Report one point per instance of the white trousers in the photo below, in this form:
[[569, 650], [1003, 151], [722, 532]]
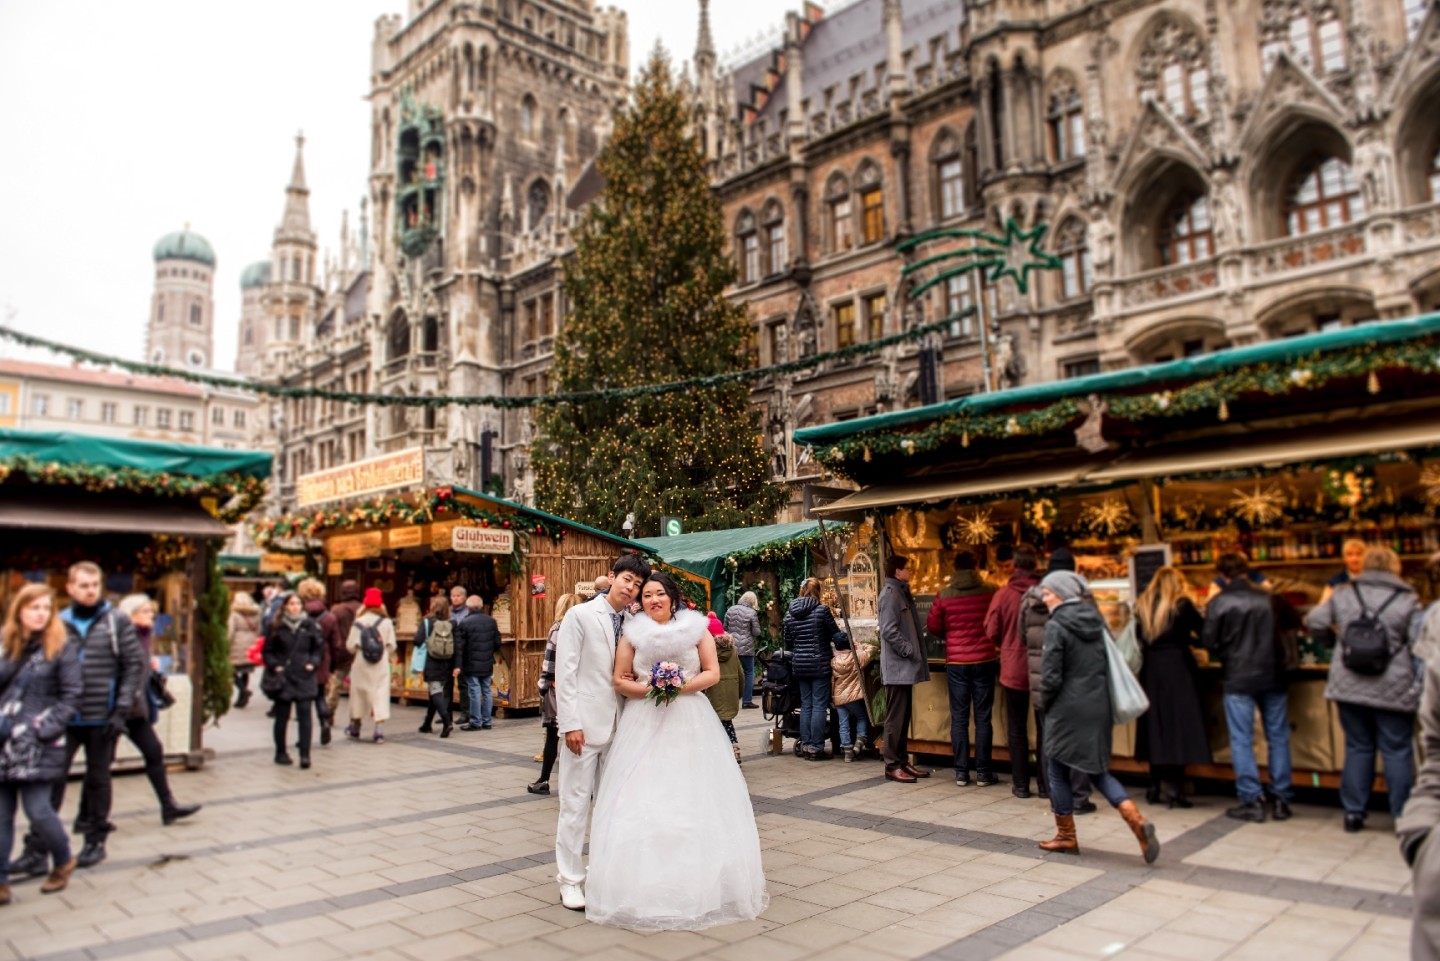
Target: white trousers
[[579, 777]]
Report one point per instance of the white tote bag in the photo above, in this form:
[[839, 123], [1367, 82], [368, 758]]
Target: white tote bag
[[1127, 697]]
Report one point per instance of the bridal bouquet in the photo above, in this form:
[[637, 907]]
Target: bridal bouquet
[[666, 681]]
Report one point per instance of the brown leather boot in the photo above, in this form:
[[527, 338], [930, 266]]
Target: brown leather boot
[[1143, 830], [1064, 840], [59, 878]]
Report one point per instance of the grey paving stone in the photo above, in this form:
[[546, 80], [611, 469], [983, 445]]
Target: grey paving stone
[[214, 929]]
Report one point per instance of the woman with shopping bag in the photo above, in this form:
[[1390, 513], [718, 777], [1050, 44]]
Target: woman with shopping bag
[[1076, 696]]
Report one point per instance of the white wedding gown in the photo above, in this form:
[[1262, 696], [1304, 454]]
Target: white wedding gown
[[673, 844]]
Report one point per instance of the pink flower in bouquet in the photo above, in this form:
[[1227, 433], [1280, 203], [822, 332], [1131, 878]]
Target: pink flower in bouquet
[[666, 682]]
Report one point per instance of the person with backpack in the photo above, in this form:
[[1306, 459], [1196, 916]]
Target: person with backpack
[[294, 650], [438, 635], [1375, 680], [372, 641], [1240, 629], [809, 630]]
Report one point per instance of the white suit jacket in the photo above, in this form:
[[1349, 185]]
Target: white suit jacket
[[585, 698]]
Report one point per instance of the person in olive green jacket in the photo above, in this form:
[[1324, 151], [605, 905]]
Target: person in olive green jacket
[[725, 695]]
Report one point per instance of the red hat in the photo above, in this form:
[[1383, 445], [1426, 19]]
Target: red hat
[[373, 597], [716, 628]]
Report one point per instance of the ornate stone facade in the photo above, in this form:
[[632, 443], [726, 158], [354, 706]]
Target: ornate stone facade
[[1211, 175]]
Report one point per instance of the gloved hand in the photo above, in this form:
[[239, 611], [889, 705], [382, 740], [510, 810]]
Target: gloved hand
[[115, 724]]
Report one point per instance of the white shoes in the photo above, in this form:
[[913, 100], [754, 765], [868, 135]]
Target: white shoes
[[572, 896]]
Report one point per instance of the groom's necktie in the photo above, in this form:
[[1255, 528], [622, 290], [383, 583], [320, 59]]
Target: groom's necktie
[[618, 619]]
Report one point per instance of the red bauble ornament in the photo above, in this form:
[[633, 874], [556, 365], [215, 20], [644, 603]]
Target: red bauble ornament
[[505, 524]]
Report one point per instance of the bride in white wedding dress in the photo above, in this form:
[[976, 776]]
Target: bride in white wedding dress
[[673, 844]]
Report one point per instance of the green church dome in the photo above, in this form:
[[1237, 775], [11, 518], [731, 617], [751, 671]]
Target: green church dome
[[256, 275], [184, 245]]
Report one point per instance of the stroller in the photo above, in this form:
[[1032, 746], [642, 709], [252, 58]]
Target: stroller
[[780, 700]]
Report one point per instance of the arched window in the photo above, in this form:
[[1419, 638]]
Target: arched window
[[840, 221], [1186, 233], [430, 338], [429, 418], [398, 419], [398, 337], [774, 227], [196, 316], [949, 173], [1435, 175], [538, 202], [1076, 276], [1172, 70], [1310, 32], [1323, 194], [872, 205], [747, 245], [1066, 119], [527, 117]]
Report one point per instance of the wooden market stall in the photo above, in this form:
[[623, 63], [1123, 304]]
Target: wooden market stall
[[415, 546], [152, 515], [1282, 450]]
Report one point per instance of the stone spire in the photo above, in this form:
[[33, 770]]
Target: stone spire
[[893, 20], [704, 42], [296, 223]]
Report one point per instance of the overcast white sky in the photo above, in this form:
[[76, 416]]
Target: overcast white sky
[[124, 121]]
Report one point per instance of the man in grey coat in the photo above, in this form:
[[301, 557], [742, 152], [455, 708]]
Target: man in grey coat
[[902, 666]]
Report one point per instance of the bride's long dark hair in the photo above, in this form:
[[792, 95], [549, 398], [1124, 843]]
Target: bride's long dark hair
[[672, 590]]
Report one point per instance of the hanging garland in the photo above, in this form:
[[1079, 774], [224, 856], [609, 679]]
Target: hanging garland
[[781, 549], [236, 494], [748, 375], [1212, 394]]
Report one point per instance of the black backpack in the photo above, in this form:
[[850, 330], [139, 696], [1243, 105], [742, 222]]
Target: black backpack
[[372, 648], [1364, 643]]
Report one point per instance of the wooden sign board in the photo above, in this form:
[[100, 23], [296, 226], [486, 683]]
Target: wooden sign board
[[355, 547], [405, 537], [440, 534], [282, 564], [387, 472], [1147, 559], [482, 540]]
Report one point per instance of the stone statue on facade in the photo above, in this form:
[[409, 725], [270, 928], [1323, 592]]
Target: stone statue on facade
[[1225, 208]]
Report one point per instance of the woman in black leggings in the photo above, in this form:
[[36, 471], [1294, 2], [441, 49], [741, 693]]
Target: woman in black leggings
[[548, 718], [140, 727]]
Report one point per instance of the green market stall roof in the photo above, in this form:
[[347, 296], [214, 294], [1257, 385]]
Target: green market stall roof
[[1311, 370], [535, 512], [62, 447], [706, 553]]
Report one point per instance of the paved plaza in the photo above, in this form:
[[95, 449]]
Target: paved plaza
[[431, 849]]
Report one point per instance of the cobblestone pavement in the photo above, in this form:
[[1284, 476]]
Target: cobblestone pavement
[[431, 849]]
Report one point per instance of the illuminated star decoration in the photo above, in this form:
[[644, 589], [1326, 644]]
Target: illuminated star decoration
[[1261, 507], [1015, 255], [1110, 516], [977, 528]]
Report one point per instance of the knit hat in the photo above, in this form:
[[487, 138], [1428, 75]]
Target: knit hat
[[373, 597], [842, 641], [1066, 585], [716, 628], [1062, 560]]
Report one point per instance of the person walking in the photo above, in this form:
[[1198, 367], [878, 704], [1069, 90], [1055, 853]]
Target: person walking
[[312, 595], [849, 695], [972, 663], [372, 644], [345, 610], [1003, 629], [810, 630], [1172, 733], [1376, 701], [549, 719], [438, 635], [477, 647], [1240, 630], [244, 632], [294, 649], [40, 691], [724, 695], [903, 664], [140, 725], [742, 622], [1075, 695]]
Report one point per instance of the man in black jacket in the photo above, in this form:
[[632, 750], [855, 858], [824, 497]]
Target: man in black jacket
[[477, 646], [112, 665], [1240, 630]]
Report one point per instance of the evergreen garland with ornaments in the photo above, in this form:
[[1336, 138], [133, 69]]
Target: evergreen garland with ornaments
[[647, 286]]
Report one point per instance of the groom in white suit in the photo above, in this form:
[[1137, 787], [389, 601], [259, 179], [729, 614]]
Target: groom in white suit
[[587, 708]]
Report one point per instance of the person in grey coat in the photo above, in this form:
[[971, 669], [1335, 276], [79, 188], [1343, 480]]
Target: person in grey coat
[[742, 622], [1422, 814], [1376, 712], [1075, 695], [902, 666], [1034, 615]]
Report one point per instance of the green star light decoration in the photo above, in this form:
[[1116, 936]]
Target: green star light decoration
[[1014, 255]]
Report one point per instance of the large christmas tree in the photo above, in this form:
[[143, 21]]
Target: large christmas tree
[[646, 286]]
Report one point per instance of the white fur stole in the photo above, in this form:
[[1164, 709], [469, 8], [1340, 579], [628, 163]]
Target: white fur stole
[[668, 641]]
